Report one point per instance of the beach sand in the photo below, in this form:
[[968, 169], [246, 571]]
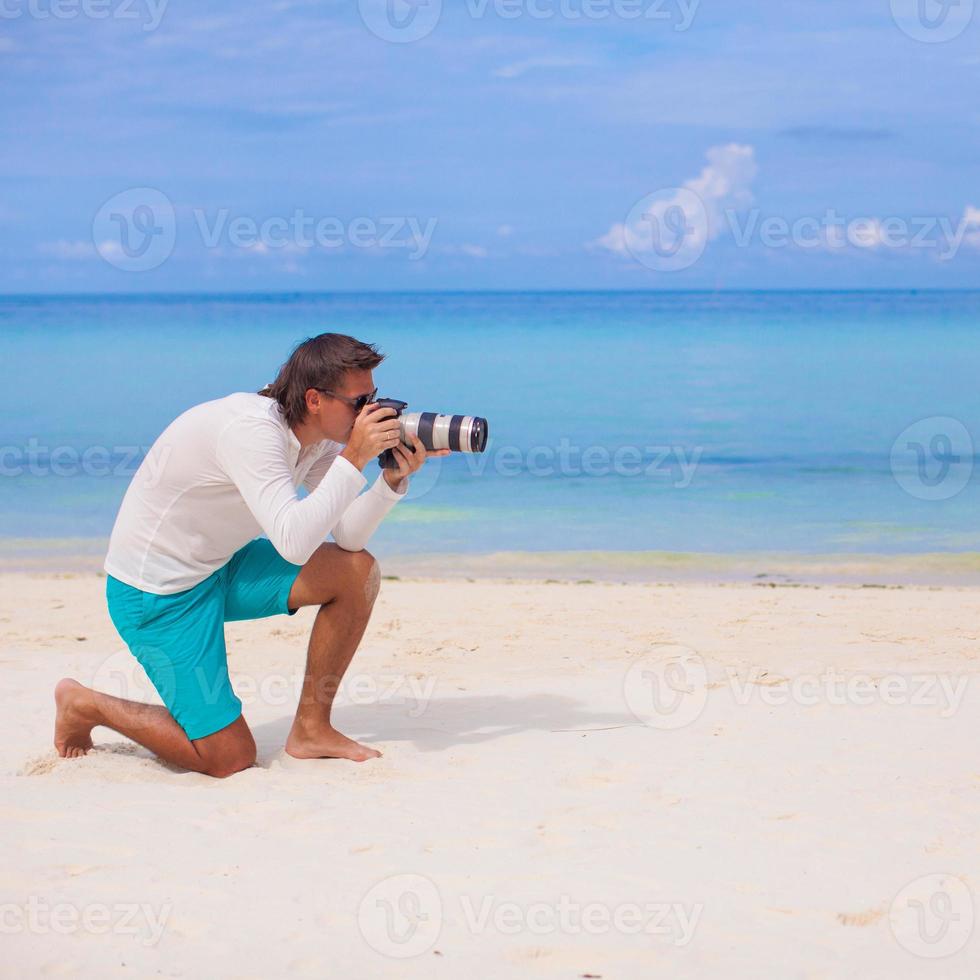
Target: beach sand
[[596, 779]]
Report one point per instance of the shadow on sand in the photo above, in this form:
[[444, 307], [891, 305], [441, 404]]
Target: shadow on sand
[[442, 723]]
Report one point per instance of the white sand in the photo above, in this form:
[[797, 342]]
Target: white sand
[[518, 790]]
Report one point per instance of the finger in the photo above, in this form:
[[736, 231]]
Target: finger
[[407, 457], [378, 412], [403, 467]]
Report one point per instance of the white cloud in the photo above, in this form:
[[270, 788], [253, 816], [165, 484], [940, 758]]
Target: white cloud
[[700, 202], [471, 251], [505, 231], [941, 235], [518, 68], [63, 249], [970, 224], [861, 233]]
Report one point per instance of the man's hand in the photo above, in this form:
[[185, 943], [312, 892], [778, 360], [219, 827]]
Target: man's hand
[[375, 430], [409, 460]]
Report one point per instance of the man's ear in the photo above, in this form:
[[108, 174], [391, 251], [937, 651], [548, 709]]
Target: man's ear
[[312, 400]]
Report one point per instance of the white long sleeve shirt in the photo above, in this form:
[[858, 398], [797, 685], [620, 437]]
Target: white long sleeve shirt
[[225, 472]]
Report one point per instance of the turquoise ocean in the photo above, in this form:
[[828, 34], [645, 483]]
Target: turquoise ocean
[[800, 422]]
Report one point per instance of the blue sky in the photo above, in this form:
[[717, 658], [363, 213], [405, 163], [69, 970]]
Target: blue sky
[[518, 144]]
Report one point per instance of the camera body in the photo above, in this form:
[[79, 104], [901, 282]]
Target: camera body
[[387, 459], [460, 433]]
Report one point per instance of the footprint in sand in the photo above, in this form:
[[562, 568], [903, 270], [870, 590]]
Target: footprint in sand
[[115, 762]]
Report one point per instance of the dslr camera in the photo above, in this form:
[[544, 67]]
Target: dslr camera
[[460, 433]]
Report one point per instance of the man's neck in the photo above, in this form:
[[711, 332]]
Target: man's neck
[[307, 434]]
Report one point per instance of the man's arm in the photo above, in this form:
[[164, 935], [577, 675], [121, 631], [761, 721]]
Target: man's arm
[[361, 518], [252, 453]]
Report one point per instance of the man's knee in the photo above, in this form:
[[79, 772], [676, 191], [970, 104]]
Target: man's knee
[[372, 578], [228, 751], [333, 573], [229, 762], [362, 574]]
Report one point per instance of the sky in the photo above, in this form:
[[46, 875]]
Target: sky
[[194, 146]]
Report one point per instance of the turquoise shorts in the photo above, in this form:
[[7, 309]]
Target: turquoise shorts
[[179, 639]]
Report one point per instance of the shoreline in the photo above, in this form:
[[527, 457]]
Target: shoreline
[[81, 555]]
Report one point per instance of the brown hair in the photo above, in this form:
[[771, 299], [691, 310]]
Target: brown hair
[[318, 362]]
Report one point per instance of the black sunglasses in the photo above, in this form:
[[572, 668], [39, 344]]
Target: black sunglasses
[[356, 403]]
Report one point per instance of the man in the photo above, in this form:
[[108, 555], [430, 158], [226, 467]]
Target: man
[[185, 557]]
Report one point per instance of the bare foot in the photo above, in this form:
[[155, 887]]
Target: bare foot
[[73, 724], [327, 743]]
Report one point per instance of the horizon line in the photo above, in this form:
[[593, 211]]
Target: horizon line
[[196, 294]]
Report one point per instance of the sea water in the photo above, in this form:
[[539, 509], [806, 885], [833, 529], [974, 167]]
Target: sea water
[[723, 422]]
